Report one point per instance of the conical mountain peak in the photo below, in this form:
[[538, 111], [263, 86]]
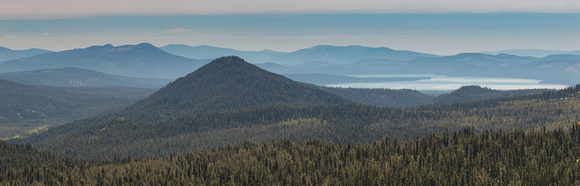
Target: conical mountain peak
[[230, 83], [228, 66]]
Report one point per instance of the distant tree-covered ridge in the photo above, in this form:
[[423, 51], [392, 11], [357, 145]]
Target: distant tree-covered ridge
[[383, 97], [411, 98], [463, 157], [475, 93], [9, 54], [77, 77], [31, 108]]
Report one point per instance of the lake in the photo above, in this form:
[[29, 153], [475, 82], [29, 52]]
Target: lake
[[443, 82]]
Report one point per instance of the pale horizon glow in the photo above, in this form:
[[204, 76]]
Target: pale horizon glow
[[42, 9], [442, 34], [442, 27]]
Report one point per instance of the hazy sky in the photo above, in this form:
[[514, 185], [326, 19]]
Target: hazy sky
[[431, 26]]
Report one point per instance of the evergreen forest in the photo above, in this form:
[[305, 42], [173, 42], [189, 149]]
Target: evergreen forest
[[464, 157], [26, 109]]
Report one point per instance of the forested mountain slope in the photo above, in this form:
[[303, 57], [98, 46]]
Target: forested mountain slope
[[100, 137], [227, 83], [26, 107], [77, 77], [476, 93], [383, 97], [464, 157]]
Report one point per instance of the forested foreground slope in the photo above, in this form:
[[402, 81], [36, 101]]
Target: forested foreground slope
[[100, 137], [497, 157]]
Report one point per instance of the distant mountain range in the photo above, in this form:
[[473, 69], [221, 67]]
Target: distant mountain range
[[143, 61], [446, 64], [346, 55], [9, 54], [559, 68], [324, 53], [210, 52], [77, 77], [532, 52], [321, 65]]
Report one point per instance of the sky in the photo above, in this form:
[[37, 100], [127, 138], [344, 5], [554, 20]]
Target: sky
[[443, 27]]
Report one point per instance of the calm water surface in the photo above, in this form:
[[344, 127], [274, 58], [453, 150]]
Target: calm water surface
[[442, 82]]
